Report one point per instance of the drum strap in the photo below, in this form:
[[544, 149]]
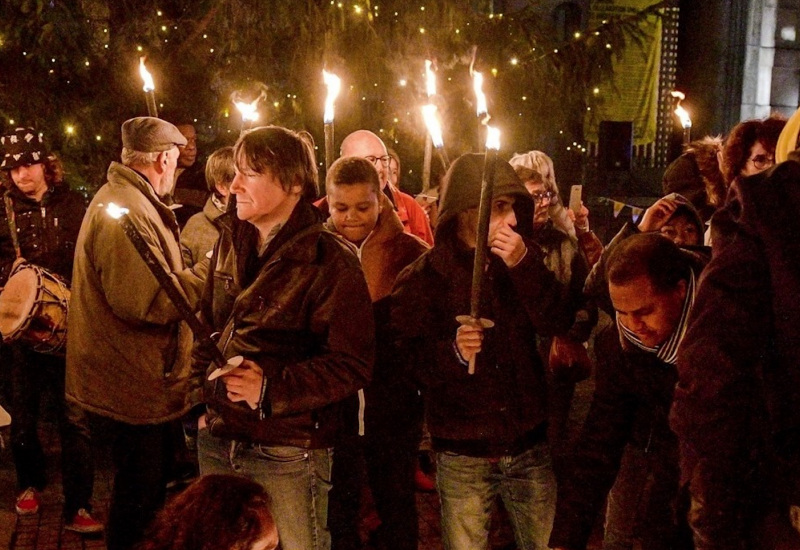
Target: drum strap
[[12, 222]]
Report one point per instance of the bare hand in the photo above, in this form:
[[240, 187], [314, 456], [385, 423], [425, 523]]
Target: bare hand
[[469, 340], [202, 422], [580, 219], [508, 245], [244, 383], [657, 215]]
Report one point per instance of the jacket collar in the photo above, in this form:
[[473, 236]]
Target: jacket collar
[[245, 236], [211, 211], [118, 172], [386, 228]]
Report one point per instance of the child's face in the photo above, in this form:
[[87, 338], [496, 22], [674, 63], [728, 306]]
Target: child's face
[[354, 210], [680, 230]]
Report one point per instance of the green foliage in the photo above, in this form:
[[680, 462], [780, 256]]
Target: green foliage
[[200, 51]]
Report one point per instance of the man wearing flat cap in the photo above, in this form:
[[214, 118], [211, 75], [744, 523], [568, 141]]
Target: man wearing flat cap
[[45, 216], [127, 347]]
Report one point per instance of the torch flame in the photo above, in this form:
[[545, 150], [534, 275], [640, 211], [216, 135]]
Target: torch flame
[[492, 138], [433, 125], [147, 78], [115, 211], [334, 85], [430, 78], [477, 84], [686, 122], [683, 115], [249, 111]]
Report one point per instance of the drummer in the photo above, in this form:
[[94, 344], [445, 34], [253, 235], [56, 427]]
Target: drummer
[[46, 218]]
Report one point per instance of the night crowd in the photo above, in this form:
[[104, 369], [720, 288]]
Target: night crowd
[[337, 366]]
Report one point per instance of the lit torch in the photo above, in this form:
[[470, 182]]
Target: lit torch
[[248, 109], [482, 237], [435, 132], [334, 84], [201, 332], [430, 88], [149, 88], [683, 116], [481, 107], [480, 97]]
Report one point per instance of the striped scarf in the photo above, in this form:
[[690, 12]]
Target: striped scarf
[[668, 351]]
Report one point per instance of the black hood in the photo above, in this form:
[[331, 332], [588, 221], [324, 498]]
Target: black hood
[[461, 191]]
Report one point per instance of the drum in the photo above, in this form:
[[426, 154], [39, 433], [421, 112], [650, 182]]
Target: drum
[[33, 309]]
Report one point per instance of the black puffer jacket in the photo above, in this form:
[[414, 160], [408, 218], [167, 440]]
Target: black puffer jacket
[[47, 230], [303, 313]]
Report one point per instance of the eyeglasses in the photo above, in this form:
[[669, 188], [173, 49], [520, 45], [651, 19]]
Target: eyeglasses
[[762, 162], [375, 160], [549, 195]]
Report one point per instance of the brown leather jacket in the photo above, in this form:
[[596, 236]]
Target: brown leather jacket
[[303, 313]]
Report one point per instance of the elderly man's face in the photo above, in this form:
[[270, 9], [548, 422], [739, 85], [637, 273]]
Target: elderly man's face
[[168, 175], [369, 147], [188, 151]]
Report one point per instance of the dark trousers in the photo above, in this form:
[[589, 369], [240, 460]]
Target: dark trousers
[[34, 376], [139, 481], [387, 454]]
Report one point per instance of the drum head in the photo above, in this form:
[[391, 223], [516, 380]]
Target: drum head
[[17, 299]]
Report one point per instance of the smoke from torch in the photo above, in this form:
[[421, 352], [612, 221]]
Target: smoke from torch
[[430, 79]]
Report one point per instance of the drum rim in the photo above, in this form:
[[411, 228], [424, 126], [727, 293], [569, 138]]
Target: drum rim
[[22, 273]]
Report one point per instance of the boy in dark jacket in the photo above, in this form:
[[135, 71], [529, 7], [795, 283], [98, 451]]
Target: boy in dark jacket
[[488, 428], [384, 422]]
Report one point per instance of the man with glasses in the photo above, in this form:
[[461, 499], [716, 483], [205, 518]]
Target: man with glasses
[[365, 144]]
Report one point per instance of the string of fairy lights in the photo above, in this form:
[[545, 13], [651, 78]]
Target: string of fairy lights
[[517, 61]]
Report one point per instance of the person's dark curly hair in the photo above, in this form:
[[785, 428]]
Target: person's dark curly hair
[[216, 512], [742, 138], [53, 172]]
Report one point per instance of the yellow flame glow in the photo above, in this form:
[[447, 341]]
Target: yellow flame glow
[[115, 211], [334, 85], [430, 78], [683, 115], [147, 78], [477, 85], [433, 124], [492, 138], [249, 111]]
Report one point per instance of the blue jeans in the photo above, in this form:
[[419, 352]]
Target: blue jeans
[[297, 481], [467, 487]]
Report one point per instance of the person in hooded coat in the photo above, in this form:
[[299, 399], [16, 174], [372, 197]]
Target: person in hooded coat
[[488, 428]]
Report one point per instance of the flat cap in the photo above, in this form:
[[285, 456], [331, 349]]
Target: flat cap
[[148, 134]]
